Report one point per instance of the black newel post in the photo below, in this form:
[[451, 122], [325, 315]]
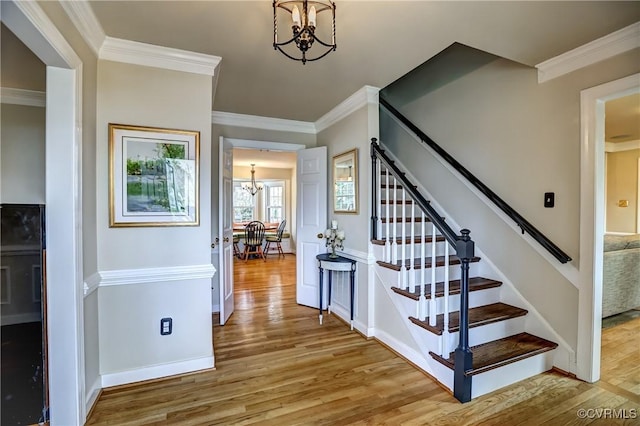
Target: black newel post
[[463, 357], [374, 190]]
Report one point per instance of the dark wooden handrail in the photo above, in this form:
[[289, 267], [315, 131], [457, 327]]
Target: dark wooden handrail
[[524, 225]]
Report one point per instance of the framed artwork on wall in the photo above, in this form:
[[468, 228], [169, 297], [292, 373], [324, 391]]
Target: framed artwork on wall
[[153, 176], [345, 182]]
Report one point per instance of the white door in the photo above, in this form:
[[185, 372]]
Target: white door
[[311, 220], [225, 225]]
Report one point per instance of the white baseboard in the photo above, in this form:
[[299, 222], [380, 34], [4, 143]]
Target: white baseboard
[[92, 394], [215, 308], [156, 371]]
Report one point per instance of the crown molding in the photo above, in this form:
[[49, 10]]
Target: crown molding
[[85, 21], [366, 95], [9, 95], [618, 42], [46, 42], [263, 123], [621, 146], [133, 52]]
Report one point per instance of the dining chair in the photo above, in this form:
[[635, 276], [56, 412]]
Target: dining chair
[[253, 238], [276, 239]]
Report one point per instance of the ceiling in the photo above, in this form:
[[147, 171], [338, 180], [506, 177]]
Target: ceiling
[[264, 158], [378, 42], [622, 119]]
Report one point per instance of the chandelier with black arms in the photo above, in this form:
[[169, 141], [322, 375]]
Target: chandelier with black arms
[[302, 16], [252, 186]]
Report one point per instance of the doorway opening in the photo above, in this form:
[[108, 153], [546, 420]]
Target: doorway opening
[[592, 221]]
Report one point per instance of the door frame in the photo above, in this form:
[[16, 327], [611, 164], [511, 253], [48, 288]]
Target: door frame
[[257, 144], [592, 201], [63, 200]]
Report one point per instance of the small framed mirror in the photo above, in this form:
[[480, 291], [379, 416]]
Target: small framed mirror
[[345, 182]]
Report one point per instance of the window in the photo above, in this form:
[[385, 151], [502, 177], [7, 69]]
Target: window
[[268, 205], [274, 202], [244, 208]]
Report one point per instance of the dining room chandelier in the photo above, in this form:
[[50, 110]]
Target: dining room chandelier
[[302, 17], [252, 186]]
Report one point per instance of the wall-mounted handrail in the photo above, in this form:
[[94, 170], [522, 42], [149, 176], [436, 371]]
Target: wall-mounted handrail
[[524, 225]]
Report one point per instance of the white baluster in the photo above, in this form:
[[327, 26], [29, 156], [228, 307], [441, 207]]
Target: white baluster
[[393, 222], [432, 303], [412, 278], [387, 252], [403, 236], [422, 305], [445, 331]]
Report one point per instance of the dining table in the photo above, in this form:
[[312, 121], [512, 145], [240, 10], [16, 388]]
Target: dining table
[[268, 226]]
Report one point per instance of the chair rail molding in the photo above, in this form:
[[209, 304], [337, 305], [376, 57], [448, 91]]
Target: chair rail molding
[[150, 275], [10, 95]]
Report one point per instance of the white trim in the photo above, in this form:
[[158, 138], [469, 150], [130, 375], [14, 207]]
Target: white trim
[[133, 52], [91, 284], [215, 308], [357, 255], [262, 123], [621, 146], [366, 95], [92, 394], [153, 275], [85, 21], [618, 42], [271, 146], [48, 43], [592, 220], [156, 371], [35, 98]]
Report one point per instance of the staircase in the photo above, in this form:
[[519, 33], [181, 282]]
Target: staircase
[[472, 341]]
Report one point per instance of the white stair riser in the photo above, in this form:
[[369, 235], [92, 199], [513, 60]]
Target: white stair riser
[[476, 298], [396, 279], [488, 333], [511, 373]]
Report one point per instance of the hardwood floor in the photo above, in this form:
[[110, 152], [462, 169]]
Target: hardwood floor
[[276, 365]]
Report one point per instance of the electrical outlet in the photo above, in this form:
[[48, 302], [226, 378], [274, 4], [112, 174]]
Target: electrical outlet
[[166, 326]]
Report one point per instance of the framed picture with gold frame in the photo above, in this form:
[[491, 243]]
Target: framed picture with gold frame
[[345, 182], [153, 176]]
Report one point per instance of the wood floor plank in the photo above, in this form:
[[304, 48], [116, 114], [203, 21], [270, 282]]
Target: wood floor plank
[[275, 365]]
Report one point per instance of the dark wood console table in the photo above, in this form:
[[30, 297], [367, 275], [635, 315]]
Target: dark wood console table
[[339, 263]]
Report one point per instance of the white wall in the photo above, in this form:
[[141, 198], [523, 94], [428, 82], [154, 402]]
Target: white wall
[[622, 184], [131, 347], [22, 145], [354, 131]]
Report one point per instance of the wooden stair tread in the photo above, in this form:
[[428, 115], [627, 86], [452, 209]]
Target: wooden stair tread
[[475, 284], [416, 264], [498, 353], [481, 315], [407, 240]]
